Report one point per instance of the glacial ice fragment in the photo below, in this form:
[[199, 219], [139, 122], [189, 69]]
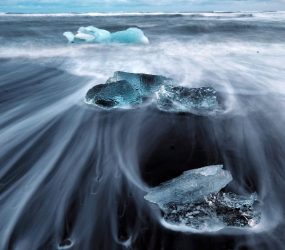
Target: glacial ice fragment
[[190, 186], [182, 99], [130, 35], [145, 84], [92, 34], [112, 95], [194, 200], [126, 89], [100, 35], [69, 36]]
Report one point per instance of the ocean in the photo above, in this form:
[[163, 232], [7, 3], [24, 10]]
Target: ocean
[[74, 176]]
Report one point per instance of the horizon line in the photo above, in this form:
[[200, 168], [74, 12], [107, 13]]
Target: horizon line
[[138, 13]]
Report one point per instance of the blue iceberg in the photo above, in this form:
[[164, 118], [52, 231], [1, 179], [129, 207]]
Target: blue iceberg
[[92, 34], [195, 200]]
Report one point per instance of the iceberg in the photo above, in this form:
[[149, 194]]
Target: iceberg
[[182, 99], [126, 89], [92, 34], [195, 200]]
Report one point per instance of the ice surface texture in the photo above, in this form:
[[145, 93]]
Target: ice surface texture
[[92, 34], [190, 186], [126, 89], [180, 99], [145, 84], [194, 200], [114, 94]]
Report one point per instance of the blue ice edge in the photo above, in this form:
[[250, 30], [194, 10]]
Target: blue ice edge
[[193, 202], [92, 34]]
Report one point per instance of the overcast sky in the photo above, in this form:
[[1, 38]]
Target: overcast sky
[[43, 6]]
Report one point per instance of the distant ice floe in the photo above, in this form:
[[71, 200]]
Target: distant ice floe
[[194, 202], [92, 34]]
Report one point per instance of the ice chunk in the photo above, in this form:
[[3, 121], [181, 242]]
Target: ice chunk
[[99, 35], [181, 99], [144, 87], [112, 95], [69, 35], [88, 34], [125, 89], [79, 37], [84, 37], [190, 186], [131, 35], [194, 200], [92, 34], [215, 212], [145, 84]]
